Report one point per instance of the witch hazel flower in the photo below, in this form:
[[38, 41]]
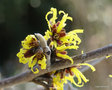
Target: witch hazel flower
[[32, 53], [59, 41]]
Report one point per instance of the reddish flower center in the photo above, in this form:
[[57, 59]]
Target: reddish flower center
[[56, 36]]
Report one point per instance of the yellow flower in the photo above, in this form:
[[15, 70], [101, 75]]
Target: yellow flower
[[59, 39], [59, 80], [57, 33], [32, 53], [59, 42]]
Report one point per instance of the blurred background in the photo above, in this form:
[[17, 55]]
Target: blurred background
[[18, 18]]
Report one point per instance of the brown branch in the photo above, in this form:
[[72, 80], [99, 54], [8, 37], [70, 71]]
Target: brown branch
[[28, 75], [44, 80], [41, 83]]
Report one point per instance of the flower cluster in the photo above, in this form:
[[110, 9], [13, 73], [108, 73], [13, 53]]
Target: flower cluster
[[59, 42], [32, 53], [60, 77]]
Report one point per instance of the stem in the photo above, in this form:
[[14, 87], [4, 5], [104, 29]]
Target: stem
[[41, 83], [29, 76]]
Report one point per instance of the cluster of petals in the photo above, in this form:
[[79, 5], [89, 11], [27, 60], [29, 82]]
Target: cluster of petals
[[32, 53], [61, 41]]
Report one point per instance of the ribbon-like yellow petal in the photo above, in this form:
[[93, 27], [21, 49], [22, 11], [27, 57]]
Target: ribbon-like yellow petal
[[63, 20], [42, 63], [54, 17], [89, 65], [65, 57]]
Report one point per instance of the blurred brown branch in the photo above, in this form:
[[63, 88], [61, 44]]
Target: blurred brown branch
[[29, 76]]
